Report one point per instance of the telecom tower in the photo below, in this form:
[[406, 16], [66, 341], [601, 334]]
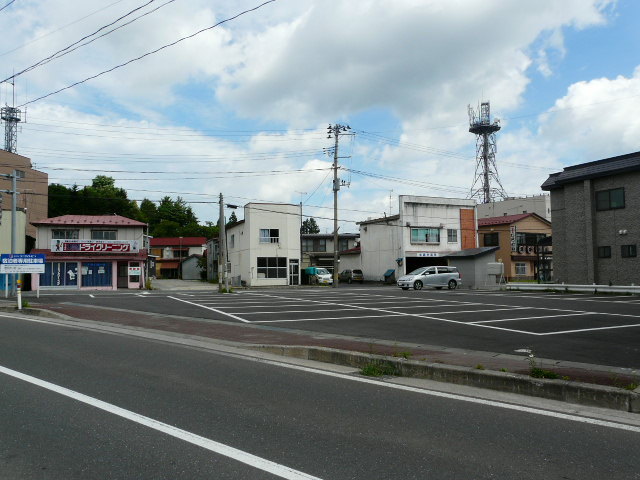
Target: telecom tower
[[11, 116], [486, 170]]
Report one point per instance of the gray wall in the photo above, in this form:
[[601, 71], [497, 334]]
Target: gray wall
[[474, 270], [578, 229], [190, 270]]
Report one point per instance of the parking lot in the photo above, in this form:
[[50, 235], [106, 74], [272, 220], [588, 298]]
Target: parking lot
[[593, 329]]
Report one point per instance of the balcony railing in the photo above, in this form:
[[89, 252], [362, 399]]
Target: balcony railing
[[269, 239]]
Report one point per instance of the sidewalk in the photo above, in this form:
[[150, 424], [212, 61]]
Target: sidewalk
[[486, 369]]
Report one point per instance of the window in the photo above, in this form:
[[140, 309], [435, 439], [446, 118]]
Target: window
[[604, 252], [529, 239], [314, 245], [343, 244], [269, 235], [452, 235], [232, 241], [103, 235], [491, 239], [521, 268], [425, 235], [628, 251], [272, 267], [610, 199], [65, 234]]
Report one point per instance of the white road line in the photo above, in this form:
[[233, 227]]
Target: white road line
[[212, 309], [592, 329], [254, 461], [328, 318], [533, 318], [297, 311], [91, 296]]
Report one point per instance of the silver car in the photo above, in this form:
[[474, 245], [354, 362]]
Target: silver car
[[436, 277]]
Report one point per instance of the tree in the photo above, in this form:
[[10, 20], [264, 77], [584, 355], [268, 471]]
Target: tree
[[232, 219], [310, 226]]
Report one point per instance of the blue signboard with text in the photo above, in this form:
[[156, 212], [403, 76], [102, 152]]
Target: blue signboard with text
[[22, 263]]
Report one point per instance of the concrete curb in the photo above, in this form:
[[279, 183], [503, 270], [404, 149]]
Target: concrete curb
[[562, 390]]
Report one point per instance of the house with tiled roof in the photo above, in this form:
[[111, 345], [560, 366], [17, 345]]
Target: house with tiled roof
[[596, 225], [170, 252], [91, 252], [518, 238]]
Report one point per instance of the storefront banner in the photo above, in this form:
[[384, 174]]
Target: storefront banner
[[95, 246]]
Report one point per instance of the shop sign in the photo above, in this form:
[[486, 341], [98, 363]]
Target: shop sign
[[95, 246], [135, 271], [427, 254], [22, 263], [514, 238]]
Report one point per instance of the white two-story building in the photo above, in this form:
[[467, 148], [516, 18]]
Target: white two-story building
[[425, 230], [264, 248]]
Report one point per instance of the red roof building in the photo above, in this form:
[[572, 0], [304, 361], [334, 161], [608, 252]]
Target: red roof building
[[170, 252]]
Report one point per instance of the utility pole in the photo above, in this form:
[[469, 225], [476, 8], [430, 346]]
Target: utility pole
[[336, 130], [222, 254]]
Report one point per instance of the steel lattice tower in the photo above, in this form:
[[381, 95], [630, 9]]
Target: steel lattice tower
[[486, 170], [11, 117]]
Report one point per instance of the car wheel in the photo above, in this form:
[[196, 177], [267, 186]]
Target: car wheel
[[452, 284], [417, 285], [405, 288]]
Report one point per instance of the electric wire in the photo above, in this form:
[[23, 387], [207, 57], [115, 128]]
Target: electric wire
[[1, 9]]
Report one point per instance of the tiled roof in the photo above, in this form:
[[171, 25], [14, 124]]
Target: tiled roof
[[177, 241], [505, 219], [91, 220], [600, 168]]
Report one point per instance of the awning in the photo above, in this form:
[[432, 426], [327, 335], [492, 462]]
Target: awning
[[163, 265]]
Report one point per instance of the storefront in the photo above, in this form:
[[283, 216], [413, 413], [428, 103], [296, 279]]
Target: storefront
[[91, 253]]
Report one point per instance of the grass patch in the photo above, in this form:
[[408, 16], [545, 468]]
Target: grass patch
[[480, 367], [406, 355], [379, 369], [537, 372]]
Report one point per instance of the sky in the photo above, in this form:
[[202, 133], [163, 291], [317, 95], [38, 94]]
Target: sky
[[242, 107]]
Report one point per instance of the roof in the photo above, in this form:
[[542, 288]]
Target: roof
[[600, 168], [329, 235], [351, 251], [508, 219], [178, 241], [472, 252], [379, 220], [91, 220]]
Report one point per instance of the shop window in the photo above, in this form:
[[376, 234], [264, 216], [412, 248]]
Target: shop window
[[610, 199], [272, 267], [628, 251], [452, 235], [604, 252], [59, 274]]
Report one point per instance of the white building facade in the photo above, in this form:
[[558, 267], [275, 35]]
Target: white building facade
[[425, 230], [264, 248], [538, 204]]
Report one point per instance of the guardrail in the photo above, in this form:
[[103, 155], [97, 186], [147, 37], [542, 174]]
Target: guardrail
[[566, 287]]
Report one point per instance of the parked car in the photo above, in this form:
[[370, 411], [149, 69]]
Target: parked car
[[436, 277], [319, 275], [351, 276]]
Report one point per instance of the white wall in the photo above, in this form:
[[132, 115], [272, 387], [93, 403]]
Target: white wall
[[380, 246], [539, 204], [5, 232], [123, 233]]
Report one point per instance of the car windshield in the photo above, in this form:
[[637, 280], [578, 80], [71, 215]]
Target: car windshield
[[322, 271], [359, 272]]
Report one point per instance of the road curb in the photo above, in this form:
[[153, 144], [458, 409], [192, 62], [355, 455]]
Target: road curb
[[562, 390]]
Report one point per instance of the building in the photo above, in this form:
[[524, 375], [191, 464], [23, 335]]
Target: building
[[539, 204], [264, 248], [318, 249], [517, 237], [169, 252], [596, 221], [424, 231], [190, 268], [91, 252], [33, 188]]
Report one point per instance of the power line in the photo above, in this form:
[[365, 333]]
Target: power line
[[7, 5], [147, 54], [78, 44]]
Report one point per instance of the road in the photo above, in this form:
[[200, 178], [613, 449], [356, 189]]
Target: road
[[77, 404]]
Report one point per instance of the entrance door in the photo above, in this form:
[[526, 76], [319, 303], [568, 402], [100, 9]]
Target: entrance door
[[294, 271]]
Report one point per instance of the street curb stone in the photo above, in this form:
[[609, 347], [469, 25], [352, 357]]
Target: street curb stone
[[563, 390]]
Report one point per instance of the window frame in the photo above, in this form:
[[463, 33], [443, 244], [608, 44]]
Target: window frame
[[604, 251], [102, 231], [492, 235], [603, 199], [628, 251], [75, 233], [522, 265], [427, 232], [273, 235], [452, 235], [272, 267]]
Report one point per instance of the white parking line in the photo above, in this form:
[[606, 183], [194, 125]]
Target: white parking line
[[533, 318], [254, 461], [591, 329], [209, 308], [329, 318], [297, 311]]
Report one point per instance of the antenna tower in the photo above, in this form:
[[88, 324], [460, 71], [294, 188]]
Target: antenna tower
[[11, 116], [486, 171]]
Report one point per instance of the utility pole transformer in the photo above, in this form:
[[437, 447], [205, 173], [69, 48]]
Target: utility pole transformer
[[334, 131], [486, 170]]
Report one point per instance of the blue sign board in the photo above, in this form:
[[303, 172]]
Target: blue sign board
[[22, 263]]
